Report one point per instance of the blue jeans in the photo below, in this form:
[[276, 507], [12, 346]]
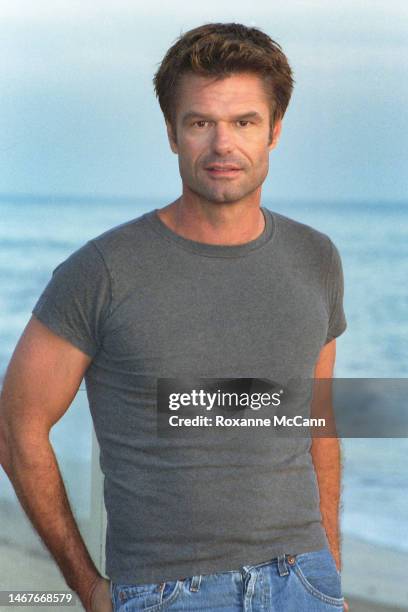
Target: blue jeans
[[308, 582]]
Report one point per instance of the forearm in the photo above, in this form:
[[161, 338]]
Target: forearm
[[33, 470], [326, 459]]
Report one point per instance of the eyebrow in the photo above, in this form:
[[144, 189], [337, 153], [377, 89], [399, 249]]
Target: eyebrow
[[196, 114]]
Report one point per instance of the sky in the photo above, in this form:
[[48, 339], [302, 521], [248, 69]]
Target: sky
[[78, 115]]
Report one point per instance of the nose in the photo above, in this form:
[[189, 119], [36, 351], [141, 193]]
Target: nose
[[222, 140]]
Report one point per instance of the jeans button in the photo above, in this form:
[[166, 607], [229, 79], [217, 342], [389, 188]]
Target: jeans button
[[291, 560]]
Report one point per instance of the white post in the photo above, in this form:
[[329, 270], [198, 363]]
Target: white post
[[98, 513]]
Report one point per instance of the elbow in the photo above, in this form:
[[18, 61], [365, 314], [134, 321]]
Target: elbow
[[22, 449]]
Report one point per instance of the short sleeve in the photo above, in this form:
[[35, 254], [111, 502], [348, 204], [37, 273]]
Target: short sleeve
[[76, 301], [335, 294]]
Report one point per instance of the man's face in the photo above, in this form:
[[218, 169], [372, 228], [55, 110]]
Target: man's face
[[223, 136]]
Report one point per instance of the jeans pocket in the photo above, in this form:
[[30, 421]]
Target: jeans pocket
[[318, 574], [147, 597]]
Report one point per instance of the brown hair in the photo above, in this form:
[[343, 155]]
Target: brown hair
[[219, 50]]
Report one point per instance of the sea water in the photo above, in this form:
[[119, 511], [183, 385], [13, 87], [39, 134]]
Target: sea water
[[37, 234]]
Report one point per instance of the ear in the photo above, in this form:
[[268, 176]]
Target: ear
[[171, 137], [275, 134]]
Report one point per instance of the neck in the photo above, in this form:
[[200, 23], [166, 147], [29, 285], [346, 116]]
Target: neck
[[230, 223]]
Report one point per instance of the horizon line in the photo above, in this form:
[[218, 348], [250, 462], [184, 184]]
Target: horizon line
[[128, 198]]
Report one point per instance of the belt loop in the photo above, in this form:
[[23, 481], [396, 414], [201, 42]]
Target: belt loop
[[195, 583], [282, 567]]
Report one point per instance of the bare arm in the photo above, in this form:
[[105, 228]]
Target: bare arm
[[326, 459], [42, 379]]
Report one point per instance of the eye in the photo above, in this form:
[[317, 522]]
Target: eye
[[201, 123], [243, 123]]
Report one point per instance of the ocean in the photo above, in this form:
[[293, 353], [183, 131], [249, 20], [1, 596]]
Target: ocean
[[38, 233]]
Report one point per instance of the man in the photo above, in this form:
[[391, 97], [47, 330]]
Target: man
[[214, 286]]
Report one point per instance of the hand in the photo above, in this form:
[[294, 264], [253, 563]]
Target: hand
[[101, 600], [346, 606]]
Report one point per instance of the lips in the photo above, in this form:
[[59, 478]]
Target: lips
[[223, 170], [222, 167]]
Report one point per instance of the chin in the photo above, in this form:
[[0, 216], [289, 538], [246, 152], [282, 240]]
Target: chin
[[229, 197], [222, 197], [227, 194]]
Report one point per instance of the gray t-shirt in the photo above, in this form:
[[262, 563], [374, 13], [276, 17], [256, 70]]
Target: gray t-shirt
[[146, 303]]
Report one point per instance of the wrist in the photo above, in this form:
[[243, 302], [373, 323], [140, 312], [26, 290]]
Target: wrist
[[87, 598]]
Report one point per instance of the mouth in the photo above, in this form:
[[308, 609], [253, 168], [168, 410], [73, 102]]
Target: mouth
[[226, 170]]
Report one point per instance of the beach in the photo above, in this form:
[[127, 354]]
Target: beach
[[374, 577]]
